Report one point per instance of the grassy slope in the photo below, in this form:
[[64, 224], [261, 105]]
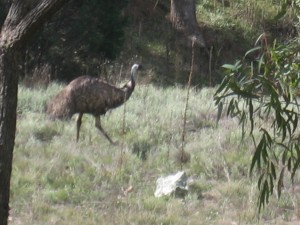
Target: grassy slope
[[56, 181], [230, 30]]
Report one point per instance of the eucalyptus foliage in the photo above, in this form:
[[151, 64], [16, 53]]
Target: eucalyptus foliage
[[263, 94]]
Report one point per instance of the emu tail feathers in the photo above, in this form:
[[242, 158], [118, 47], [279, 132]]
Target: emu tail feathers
[[61, 106]]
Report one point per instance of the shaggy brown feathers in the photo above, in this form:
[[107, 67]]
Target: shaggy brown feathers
[[90, 95]]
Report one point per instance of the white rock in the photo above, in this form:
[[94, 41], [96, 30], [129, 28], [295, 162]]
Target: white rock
[[173, 184]]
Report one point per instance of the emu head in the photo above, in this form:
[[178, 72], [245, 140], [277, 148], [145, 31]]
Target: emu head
[[134, 70]]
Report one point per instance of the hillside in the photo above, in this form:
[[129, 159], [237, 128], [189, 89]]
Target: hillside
[[230, 29], [78, 44]]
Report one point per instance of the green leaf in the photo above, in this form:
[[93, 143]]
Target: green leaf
[[271, 186], [273, 170], [259, 38], [284, 157], [289, 164], [257, 155], [260, 180], [222, 86], [282, 12], [234, 67], [229, 67], [251, 116], [295, 123], [252, 50], [264, 196], [260, 63], [280, 182]]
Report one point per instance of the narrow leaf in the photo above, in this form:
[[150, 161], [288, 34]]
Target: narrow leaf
[[252, 50], [273, 170], [280, 183], [251, 116], [257, 155]]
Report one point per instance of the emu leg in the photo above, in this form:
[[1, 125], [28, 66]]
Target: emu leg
[[98, 125], [78, 125]]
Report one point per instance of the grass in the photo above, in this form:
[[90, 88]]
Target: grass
[[56, 181]]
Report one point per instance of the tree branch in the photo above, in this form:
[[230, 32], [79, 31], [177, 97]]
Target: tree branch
[[20, 25]]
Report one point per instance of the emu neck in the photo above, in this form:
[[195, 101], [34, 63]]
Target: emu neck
[[129, 87], [132, 80]]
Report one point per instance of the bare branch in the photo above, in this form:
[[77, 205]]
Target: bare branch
[[21, 23]]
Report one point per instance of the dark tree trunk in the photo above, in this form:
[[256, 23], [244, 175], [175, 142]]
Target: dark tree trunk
[[8, 104], [183, 20], [20, 24]]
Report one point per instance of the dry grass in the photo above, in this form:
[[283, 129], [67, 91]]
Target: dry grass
[[56, 181]]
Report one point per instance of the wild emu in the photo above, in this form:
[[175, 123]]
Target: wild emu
[[90, 95]]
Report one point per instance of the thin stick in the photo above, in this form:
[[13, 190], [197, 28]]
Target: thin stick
[[209, 65], [186, 104], [120, 74], [123, 126], [123, 133], [170, 138], [156, 3]]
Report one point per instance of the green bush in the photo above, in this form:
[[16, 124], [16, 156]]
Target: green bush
[[263, 95]]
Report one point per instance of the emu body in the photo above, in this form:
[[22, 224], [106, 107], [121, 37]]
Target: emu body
[[90, 95]]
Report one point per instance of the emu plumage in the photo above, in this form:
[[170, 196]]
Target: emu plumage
[[90, 95]]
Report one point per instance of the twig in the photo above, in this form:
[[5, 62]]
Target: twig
[[120, 74], [123, 130], [156, 3], [209, 65], [186, 104], [123, 136]]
